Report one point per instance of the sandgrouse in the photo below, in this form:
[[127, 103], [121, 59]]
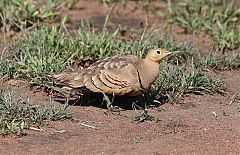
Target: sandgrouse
[[119, 75]]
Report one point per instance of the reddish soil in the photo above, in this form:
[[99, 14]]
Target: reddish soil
[[201, 124]]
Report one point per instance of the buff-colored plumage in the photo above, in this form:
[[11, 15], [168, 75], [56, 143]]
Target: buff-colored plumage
[[119, 75]]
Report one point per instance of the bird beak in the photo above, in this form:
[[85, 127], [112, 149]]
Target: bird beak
[[168, 53]]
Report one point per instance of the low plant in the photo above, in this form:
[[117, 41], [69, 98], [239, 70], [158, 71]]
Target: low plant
[[221, 62], [16, 117], [220, 19], [175, 81], [19, 14]]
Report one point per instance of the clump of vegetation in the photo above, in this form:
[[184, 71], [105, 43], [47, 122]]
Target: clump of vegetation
[[5, 69], [175, 81], [220, 19], [16, 117], [42, 52], [144, 116], [221, 62], [19, 14]]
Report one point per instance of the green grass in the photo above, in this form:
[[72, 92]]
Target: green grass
[[221, 62], [144, 116], [5, 69], [19, 14], [175, 81], [217, 18], [15, 117]]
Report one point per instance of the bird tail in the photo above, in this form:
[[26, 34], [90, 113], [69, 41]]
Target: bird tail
[[63, 78], [69, 84]]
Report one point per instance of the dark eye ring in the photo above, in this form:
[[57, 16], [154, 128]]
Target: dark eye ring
[[158, 52]]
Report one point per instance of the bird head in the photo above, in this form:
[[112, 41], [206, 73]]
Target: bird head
[[156, 55]]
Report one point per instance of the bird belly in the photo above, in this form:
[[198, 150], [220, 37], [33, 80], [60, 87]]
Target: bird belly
[[134, 93]]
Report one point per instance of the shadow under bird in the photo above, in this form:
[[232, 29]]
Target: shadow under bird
[[120, 75]]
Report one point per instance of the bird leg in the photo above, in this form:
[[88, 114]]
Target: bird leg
[[107, 100], [144, 99], [141, 102]]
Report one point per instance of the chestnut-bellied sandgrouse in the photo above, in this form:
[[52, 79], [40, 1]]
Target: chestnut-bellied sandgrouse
[[120, 75]]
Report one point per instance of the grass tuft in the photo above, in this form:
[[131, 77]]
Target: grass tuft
[[216, 18], [19, 14], [6, 70], [221, 62], [16, 117], [175, 81], [144, 116]]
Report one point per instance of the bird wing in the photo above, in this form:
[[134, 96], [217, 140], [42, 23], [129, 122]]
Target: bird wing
[[116, 75]]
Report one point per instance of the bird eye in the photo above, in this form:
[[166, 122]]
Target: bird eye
[[159, 52]]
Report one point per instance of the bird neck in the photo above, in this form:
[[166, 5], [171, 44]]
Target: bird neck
[[148, 71], [149, 59]]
